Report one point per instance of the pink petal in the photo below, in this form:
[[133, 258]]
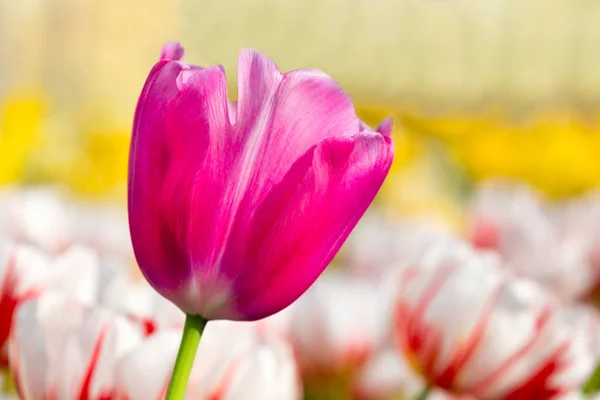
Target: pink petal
[[258, 80], [171, 51], [199, 188], [385, 127], [307, 108], [308, 228], [162, 259]]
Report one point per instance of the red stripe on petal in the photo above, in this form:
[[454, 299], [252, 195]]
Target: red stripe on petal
[[540, 385], [219, 392], [481, 386], [421, 341], [9, 301], [464, 353], [87, 381]]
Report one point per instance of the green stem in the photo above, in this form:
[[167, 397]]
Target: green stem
[[424, 393], [192, 331]]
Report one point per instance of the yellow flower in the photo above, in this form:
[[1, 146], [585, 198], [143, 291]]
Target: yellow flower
[[20, 120], [100, 167], [555, 152]]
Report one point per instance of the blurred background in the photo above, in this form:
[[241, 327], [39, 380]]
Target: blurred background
[[478, 89]]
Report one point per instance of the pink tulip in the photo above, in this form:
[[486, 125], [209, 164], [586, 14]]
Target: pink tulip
[[469, 328], [236, 208]]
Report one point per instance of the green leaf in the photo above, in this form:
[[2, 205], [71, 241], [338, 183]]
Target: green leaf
[[592, 385]]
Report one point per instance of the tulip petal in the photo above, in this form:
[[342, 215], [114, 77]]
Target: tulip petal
[[163, 260], [61, 349], [198, 179], [307, 108], [166, 169], [171, 51], [258, 80], [310, 227], [151, 362], [28, 360], [23, 274]]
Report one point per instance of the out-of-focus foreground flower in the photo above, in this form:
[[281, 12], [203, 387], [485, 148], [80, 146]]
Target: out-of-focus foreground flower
[[82, 328], [237, 361], [61, 349], [236, 208], [21, 270], [406, 305], [558, 245], [469, 328], [325, 329]]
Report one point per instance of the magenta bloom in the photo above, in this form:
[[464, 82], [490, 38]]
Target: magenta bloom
[[236, 208]]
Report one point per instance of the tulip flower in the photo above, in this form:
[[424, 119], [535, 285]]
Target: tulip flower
[[105, 229], [377, 245], [548, 244], [26, 273], [23, 273], [469, 328], [81, 274], [387, 376], [235, 209], [62, 350], [142, 304], [338, 324], [239, 361], [336, 327], [36, 216]]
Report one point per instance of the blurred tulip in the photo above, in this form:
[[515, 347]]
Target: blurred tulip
[[338, 324], [94, 282], [76, 273], [578, 220], [518, 223], [23, 273], [236, 208], [377, 245], [586, 318], [505, 213], [103, 228], [38, 216], [142, 304], [469, 328], [62, 350], [238, 361], [387, 376]]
